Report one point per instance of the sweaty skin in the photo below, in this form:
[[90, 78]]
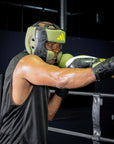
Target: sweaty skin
[[32, 70], [53, 106]]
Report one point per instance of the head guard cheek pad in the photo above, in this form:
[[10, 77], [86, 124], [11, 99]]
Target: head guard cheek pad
[[36, 37]]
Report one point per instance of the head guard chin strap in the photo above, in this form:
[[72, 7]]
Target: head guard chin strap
[[37, 36]]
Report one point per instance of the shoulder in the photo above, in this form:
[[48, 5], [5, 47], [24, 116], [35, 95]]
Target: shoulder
[[26, 63], [30, 60], [30, 57]]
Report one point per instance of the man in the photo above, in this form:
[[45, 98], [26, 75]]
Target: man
[[26, 79]]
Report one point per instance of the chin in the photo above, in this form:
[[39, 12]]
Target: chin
[[51, 62]]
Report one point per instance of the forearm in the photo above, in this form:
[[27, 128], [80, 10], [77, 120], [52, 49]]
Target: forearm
[[80, 78], [53, 106]]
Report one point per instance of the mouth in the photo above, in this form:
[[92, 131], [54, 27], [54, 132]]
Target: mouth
[[55, 57]]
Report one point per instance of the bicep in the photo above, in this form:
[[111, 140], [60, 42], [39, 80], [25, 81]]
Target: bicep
[[37, 72]]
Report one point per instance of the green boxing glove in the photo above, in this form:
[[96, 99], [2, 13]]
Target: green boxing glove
[[82, 61], [64, 59], [104, 69]]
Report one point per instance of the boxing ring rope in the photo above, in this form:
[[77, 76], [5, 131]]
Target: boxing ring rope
[[97, 102], [87, 136]]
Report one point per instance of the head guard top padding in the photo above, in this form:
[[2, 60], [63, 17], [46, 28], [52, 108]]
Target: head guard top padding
[[37, 36]]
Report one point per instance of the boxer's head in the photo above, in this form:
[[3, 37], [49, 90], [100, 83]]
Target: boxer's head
[[39, 34]]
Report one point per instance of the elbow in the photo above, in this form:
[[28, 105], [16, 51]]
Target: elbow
[[58, 79], [61, 83], [51, 114], [50, 117]]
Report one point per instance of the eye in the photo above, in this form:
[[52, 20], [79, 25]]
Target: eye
[[50, 44]]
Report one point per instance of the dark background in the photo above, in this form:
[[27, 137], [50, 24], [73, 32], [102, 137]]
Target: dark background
[[89, 31], [85, 18]]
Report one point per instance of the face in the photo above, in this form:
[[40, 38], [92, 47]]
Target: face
[[54, 47]]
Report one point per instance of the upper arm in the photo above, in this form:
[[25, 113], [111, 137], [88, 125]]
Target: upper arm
[[36, 71]]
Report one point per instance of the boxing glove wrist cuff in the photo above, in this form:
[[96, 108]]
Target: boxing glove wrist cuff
[[104, 69]]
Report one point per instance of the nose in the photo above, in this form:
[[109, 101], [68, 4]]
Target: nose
[[56, 47]]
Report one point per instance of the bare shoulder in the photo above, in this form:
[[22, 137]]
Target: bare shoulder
[[30, 59], [26, 63], [21, 84]]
